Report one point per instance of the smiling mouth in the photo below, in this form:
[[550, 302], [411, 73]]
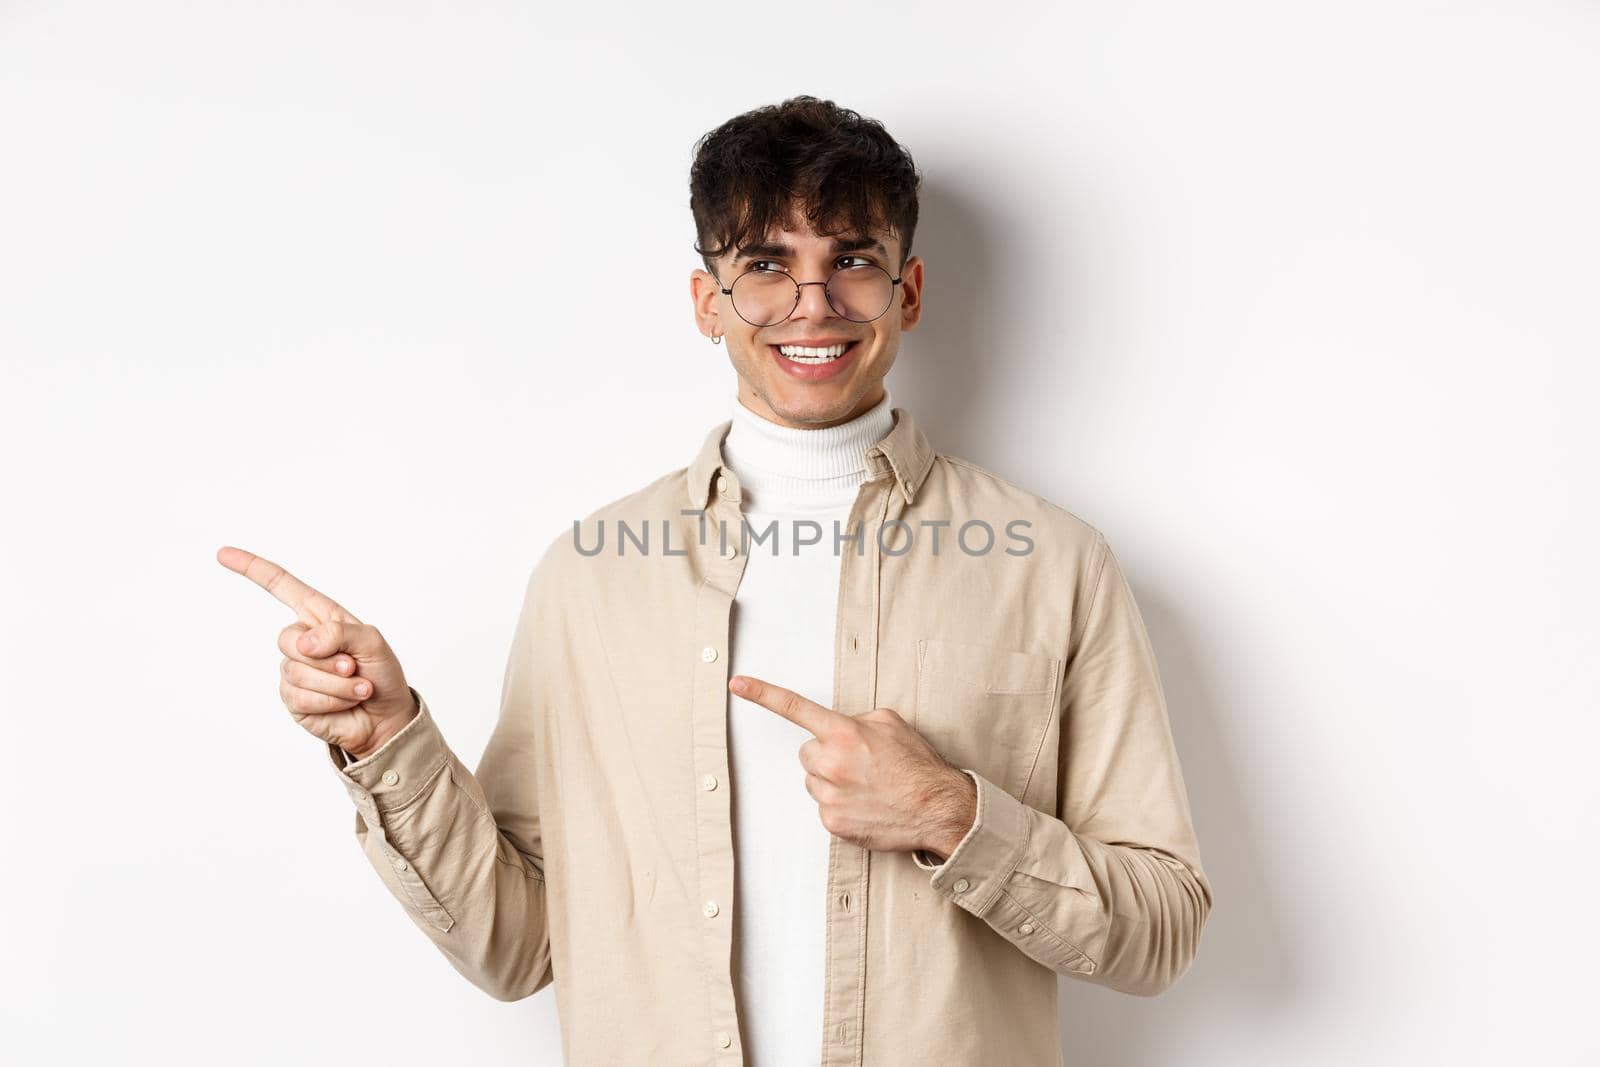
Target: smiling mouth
[[813, 357]]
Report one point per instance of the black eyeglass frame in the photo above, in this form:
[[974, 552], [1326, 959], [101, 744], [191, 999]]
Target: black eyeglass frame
[[727, 291]]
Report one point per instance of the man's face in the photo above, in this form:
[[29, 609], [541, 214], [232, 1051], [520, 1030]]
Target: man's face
[[807, 393]]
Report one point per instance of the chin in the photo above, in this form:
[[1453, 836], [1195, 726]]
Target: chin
[[813, 407]]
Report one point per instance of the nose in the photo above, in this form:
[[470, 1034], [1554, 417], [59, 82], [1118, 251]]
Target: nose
[[814, 302]]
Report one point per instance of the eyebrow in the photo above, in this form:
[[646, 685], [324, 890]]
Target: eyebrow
[[783, 251]]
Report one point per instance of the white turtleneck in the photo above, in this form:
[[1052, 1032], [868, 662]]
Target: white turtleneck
[[783, 632]]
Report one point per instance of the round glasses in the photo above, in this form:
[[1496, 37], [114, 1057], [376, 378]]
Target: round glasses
[[767, 297]]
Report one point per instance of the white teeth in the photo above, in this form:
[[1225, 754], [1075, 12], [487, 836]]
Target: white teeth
[[803, 354]]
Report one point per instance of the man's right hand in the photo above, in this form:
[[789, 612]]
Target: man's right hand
[[339, 679]]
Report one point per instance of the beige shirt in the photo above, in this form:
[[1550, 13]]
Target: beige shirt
[[593, 846]]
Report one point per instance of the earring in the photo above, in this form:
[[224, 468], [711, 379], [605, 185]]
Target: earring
[[716, 338]]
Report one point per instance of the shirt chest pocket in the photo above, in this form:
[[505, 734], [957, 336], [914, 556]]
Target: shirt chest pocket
[[986, 708]]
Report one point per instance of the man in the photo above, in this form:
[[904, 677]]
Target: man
[[986, 794]]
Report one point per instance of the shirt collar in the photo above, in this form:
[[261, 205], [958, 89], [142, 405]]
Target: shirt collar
[[904, 454]]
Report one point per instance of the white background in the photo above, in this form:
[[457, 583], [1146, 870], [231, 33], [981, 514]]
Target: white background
[[1296, 302]]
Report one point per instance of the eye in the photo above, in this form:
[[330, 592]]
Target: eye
[[773, 265]]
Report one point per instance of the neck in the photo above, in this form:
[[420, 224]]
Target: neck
[[785, 468]]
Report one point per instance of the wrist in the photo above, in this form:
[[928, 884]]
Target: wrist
[[381, 738], [954, 810]]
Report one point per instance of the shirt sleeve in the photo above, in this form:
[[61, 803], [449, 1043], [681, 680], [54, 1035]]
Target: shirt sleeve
[[462, 852], [1109, 888]]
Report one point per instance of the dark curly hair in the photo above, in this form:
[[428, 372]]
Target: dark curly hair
[[844, 172]]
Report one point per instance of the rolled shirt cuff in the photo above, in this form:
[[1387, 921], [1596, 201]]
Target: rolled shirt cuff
[[976, 869], [391, 776]]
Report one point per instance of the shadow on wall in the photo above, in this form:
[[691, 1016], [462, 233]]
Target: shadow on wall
[[1246, 966], [983, 330], [951, 370], [943, 364]]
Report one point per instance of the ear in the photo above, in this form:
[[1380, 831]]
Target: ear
[[703, 293], [911, 293]]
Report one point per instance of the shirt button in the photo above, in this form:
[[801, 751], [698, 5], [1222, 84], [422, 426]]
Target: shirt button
[[961, 885], [390, 777], [709, 782], [1025, 928], [708, 654], [710, 909], [723, 1039], [722, 483], [729, 551], [399, 865]]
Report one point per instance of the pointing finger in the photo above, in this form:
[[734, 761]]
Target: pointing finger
[[786, 702], [311, 606]]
